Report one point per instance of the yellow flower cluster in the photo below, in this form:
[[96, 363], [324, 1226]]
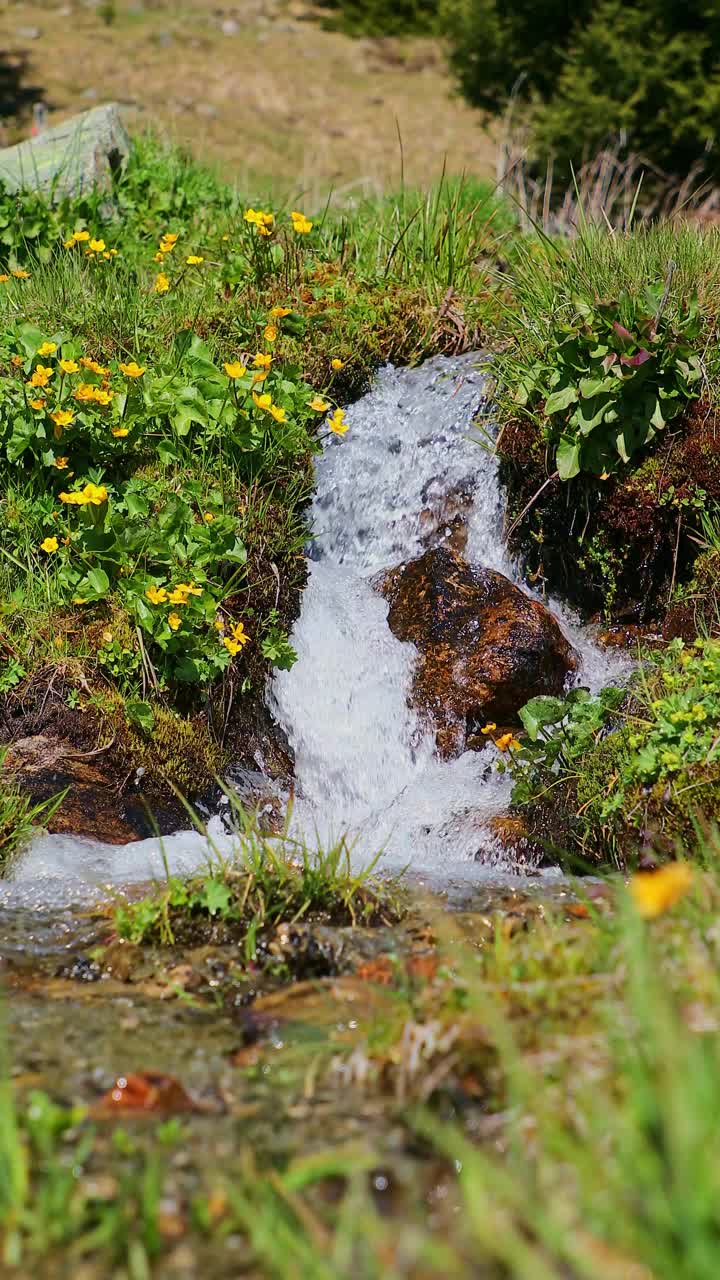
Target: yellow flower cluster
[[261, 221], [337, 423], [179, 594], [237, 638], [92, 495], [87, 392], [265, 402], [96, 246], [300, 224]]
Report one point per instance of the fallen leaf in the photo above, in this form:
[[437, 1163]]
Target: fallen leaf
[[146, 1091]]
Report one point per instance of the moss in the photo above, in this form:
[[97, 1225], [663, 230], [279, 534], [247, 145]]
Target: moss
[[179, 752]]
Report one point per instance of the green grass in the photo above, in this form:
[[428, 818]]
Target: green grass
[[267, 879], [19, 818]]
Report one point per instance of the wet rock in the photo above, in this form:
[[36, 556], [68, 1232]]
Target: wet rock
[[485, 648], [45, 766], [81, 154]]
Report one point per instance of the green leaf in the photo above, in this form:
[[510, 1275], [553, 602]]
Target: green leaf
[[141, 715], [567, 458], [594, 386], [560, 400], [99, 581], [214, 897], [657, 419], [539, 712]]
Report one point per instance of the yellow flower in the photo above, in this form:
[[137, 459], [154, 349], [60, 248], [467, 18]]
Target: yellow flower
[[60, 463], [318, 404], [49, 545], [93, 365], [168, 242], [232, 646], [194, 260], [174, 621], [159, 257], [69, 366], [62, 417], [156, 595], [93, 495], [490, 727], [47, 349], [17, 361], [208, 517], [4, 278], [277, 413], [69, 244], [20, 275], [262, 402], [188, 589], [301, 225], [263, 222], [101, 396], [234, 369], [37, 404], [262, 360], [107, 636], [337, 364], [270, 333], [41, 376], [279, 312], [337, 423], [84, 391], [654, 892], [120, 432], [240, 635], [259, 376], [162, 284], [505, 742], [81, 235], [132, 370], [97, 246]]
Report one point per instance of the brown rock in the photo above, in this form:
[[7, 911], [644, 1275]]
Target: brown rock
[[46, 766], [485, 647]]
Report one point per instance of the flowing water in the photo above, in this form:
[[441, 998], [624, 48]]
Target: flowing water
[[415, 455]]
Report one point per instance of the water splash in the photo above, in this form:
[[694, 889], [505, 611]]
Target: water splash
[[413, 458]]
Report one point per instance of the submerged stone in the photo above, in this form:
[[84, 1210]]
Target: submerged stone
[[485, 647]]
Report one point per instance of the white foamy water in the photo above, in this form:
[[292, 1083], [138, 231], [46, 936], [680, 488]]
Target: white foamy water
[[365, 765]]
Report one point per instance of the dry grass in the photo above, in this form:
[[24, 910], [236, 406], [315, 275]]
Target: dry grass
[[279, 103]]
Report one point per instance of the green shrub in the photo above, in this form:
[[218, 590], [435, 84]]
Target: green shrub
[[645, 756], [607, 340], [382, 17], [594, 73], [608, 387]]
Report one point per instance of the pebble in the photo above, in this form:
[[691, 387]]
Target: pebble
[[28, 33]]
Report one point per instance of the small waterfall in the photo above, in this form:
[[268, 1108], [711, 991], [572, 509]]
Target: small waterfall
[[414, 461], [364, 764]]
